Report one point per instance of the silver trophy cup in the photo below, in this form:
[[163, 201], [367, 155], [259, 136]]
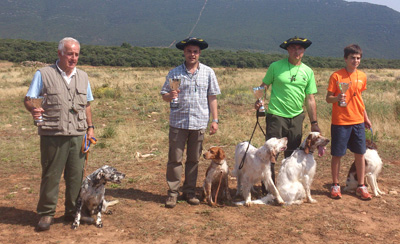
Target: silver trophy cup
[[37, 103], [174, 84], [343, 86], [259, 94]]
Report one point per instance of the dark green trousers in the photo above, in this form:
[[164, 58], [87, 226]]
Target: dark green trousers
[[60, 154], [292, 128]]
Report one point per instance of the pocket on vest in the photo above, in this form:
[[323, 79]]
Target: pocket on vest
[[81, 97], [51, 120], [52, 97], [82, 124]]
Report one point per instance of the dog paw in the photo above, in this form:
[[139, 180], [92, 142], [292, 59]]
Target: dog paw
[[247, 204], [311, 200], [108, 212], [99, 225], [74, 226]]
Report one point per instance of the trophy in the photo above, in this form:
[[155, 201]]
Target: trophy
[[174, 84], [259, 93], [343, 86], [37, 103]]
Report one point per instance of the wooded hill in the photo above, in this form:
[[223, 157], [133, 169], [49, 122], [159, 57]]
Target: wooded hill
[[251, 25], [127, 55]]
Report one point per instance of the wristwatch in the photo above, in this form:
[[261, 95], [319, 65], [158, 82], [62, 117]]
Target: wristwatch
[[91, 126], [215, 120]]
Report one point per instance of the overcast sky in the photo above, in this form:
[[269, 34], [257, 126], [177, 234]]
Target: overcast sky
[[394, 4]]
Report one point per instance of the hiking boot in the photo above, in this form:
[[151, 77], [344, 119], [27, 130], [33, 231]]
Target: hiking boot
[[335, 192], [44, 223], [191, 199], [171, 201], [363, 193]]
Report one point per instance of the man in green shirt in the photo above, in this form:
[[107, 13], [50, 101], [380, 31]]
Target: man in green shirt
[[291, 83]]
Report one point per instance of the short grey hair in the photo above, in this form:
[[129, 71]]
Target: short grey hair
[[61, 44]]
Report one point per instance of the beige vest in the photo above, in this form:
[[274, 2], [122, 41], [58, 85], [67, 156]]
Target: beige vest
[[60, 97]]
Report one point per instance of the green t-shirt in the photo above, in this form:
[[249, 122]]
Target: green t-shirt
[[287, 94]]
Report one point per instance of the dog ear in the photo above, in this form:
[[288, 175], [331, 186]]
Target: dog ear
[[370, 144], [100, 175], [221, 154], [308, 144], [272, 156]]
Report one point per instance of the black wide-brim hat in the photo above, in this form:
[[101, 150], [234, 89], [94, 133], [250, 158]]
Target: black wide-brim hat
[[192, 41], [296, 40]]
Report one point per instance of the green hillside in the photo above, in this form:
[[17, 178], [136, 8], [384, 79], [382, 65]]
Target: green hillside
[[253, 25]]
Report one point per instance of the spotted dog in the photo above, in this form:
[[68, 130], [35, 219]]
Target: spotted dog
[[373, 166], [91, 197]]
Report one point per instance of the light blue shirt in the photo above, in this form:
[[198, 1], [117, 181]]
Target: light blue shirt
[[37, 85]]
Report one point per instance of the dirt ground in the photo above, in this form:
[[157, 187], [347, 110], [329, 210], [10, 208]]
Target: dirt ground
[[141, 217]]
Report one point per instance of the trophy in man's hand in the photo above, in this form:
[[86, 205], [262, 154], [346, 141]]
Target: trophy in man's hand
[[343, 86], [259, 93], [37, 103], [174, 84]]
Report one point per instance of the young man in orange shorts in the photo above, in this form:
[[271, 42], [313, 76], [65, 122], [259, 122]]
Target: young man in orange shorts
[[349, 119]]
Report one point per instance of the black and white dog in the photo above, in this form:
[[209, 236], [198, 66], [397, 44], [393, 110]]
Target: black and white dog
[[91, 197]]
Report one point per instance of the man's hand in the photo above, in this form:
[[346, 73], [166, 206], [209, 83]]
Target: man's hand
[[258, 104], [315, 128], [341, 98], [37, 113], [367, 124], [171, 95], [213, 128]]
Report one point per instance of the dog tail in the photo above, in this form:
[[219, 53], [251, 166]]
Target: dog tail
[[241, 203], [106, 204]]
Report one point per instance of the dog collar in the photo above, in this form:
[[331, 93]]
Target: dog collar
[[302, 148], [220, 162]]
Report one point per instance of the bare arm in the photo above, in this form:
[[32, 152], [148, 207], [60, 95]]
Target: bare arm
[[171, 95], [312, 112], [90, 131], [35, 112], [331, 98], [212, 101]]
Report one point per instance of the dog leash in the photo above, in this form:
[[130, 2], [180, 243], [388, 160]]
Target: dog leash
[[255, 127], [372, 135], [216, 194], [85, 149]]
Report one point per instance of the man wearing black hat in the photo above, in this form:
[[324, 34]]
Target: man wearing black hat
[[197, 96], [291, 83]]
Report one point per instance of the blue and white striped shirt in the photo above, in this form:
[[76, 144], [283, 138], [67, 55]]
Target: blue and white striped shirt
[[193, 112]]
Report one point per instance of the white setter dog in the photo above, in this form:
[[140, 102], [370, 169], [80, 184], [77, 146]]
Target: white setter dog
[[297, 172], [373, 166], [256, 167], [216, 182]]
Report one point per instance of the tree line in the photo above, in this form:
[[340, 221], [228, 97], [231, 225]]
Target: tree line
[[16, 50]]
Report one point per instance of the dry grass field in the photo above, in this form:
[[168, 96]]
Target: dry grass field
[[132, 120]]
